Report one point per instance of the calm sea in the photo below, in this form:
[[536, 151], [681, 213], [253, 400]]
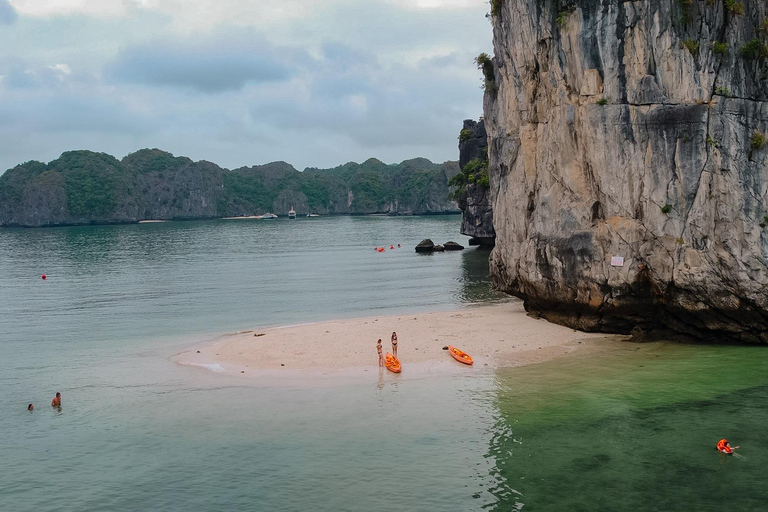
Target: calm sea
[[632, 429]]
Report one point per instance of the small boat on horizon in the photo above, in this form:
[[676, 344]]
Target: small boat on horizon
[[313, 215], [269, 216], [291, 213]]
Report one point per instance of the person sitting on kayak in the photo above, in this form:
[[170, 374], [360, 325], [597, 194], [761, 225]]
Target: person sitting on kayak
[[394, 344], [724, 446], [378, 348]]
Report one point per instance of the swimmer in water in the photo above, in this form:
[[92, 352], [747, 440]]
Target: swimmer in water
[[56, 402], [725, 447], [30, 407]]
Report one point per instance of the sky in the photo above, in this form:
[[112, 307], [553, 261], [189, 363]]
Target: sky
[[316, 83]]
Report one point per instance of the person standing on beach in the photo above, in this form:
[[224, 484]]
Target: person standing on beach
[[56, 402], [378, 348], [394, 344]]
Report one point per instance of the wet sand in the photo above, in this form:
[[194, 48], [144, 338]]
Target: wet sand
[[495, 335]]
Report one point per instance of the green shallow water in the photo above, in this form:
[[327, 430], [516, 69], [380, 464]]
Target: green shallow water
[[634, 428], [623, 428]]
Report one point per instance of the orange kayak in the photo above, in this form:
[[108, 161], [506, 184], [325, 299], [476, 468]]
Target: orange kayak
[[460, 356], [392, 363]]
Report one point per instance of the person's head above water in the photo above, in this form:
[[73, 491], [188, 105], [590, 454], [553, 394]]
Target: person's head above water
[[30, 407], [58, 394]]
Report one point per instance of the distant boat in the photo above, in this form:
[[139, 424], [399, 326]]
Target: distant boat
[[291, 213], [313, 215], [269, 216]]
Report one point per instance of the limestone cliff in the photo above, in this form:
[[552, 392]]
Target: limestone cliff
[[632, 130], [83, 187], [475, 198]]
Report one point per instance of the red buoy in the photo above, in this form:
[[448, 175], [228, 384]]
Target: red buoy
[[43, 277], [391, 246]]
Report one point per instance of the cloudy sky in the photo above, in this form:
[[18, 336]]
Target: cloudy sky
[[240, 82]]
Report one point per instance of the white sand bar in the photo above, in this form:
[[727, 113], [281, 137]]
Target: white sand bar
[[494, 335]]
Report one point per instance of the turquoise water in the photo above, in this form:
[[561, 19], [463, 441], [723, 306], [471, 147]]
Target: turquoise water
[[629, 428]]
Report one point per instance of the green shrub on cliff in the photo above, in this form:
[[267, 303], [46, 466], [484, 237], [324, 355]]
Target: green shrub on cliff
[[475, 172], [485, 64], [723, 91], [465, 135], [719, 48], [496, 7], [691, 45], [754, 49], [734, 7], [758, 140]]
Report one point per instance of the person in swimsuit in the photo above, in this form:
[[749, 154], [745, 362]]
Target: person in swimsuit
[[725, 447], [56, 402], [394, 344], [378, 348]]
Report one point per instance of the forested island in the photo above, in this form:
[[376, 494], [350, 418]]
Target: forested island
[[84, 187]]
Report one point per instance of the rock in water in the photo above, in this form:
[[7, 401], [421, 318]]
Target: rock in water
[[453, 246], [425, 245], [439, 248], [628, 166]]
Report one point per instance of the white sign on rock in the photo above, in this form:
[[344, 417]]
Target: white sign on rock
[[617, 261]]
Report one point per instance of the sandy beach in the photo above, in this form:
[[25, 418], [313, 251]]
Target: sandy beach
[[495, 335]]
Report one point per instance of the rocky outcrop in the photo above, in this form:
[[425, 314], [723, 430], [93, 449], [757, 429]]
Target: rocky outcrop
[[475, 198], [627, 164], [453, 246], [425, 245]]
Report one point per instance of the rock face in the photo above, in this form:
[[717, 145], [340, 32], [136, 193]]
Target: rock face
[[632, 130], [475, 203]]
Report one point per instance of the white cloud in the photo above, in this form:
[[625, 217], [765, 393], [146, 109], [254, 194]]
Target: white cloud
[[314, 83], [63, 68], [65, 7]]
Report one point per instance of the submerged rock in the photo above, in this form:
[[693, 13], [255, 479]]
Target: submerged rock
[[453, 246], [628, 165]]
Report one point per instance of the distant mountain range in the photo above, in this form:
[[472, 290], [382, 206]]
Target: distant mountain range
[[83, 187]]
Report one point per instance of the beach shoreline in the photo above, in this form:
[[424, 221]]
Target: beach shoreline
[[341, 351]]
